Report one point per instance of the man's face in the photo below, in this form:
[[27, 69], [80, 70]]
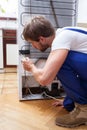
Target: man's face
[[43, 46], [40, 45]]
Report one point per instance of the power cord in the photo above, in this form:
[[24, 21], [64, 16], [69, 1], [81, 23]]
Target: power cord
[[45, 94]]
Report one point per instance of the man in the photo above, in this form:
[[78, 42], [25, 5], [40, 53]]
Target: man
[[67, 60]]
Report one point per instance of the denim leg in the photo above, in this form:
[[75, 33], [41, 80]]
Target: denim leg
[[68, 104], [73, 76]]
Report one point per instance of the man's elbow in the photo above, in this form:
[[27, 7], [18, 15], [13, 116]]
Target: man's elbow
[[44, 82]]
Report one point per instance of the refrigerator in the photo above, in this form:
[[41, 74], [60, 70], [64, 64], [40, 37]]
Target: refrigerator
[[61, 13]]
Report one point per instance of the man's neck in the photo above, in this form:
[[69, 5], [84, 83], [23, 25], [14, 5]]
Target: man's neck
[[50, 40]]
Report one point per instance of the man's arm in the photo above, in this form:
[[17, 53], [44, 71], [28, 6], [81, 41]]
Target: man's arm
[[47, 74]]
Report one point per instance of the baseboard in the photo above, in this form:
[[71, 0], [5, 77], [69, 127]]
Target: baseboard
[[10, 70]]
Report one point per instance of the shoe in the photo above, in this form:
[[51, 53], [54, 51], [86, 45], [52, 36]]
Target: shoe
[[75, 118]]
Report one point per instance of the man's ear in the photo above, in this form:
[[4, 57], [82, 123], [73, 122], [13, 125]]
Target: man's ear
[[41, 39]]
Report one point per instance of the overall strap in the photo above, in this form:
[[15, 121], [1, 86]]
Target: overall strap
[[77, 30]]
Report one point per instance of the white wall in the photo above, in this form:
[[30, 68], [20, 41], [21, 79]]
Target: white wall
[[82, 11], [10, 7]]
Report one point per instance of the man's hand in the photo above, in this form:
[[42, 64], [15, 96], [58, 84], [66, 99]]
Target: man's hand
[[27, 63], [58, 103]]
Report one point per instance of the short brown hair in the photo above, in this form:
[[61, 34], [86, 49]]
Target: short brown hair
[[39, 26]]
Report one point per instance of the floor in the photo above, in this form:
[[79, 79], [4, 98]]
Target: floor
[[26, 115], [8, 81]]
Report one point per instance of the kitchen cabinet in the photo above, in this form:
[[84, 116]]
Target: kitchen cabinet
[[10, 48], [1, 50]]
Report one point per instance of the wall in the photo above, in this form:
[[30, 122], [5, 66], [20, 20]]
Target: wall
[[82, 11]]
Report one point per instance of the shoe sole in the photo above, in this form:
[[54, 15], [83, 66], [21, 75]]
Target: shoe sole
[[71, 126]]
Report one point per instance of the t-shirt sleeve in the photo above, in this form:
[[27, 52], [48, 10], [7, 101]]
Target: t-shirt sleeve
[[63, 40]]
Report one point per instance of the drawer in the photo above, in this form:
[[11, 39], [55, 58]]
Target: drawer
[[9, 33]]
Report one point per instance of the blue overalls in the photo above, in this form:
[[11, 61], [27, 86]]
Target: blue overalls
[[73, 76]]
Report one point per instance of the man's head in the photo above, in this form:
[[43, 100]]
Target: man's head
[[37, 30]]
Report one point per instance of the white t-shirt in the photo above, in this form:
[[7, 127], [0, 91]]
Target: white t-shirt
[[71, 40]]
